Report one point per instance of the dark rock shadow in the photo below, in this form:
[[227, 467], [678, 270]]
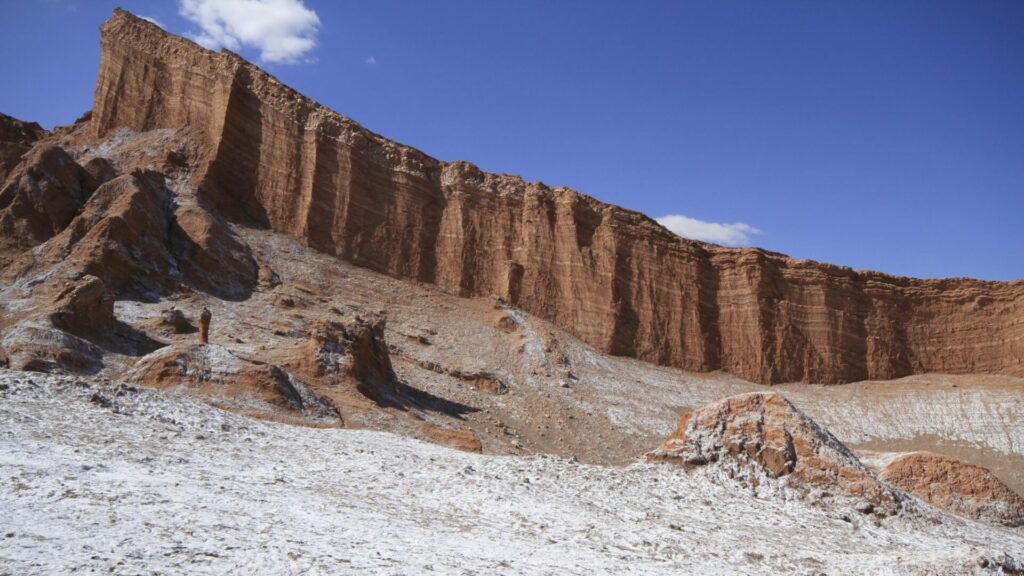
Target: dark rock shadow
[[210, 256], [121, 338], [401, 396]]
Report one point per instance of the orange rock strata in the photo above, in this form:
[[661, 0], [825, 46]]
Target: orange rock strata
[[615, 278]]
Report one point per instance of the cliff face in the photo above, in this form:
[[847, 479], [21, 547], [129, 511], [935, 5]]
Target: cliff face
[[614, 278]]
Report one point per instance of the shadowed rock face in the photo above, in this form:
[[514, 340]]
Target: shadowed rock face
[[83, 307], [352, 350], [957, 487], [765, 433], [16, 137], [41, 196], [615, 278]]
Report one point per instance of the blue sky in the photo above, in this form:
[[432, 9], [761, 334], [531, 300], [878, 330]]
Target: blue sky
[[875, 134]]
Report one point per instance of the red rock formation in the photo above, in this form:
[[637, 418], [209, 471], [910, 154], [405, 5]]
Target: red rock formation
[[766, 433], [16, 137], [41, 196], [956, 486], [204, 326], [128, 234], [353, 350], [229, 380], [615, 278], [120, 236]]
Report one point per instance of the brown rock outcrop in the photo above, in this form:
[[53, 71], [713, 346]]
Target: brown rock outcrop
[[216, 373], [40, 198], [957, 487], [16, 137], [84, 307], [120, 236], [41, 347], [352, 350], [204, 326], [613, 277], [209, 255], [129, 234], [765, 433]]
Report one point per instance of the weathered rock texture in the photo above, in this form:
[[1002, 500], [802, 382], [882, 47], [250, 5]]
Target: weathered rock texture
[[352, 350], [218, 374], [84, 307], [956, 486], [41, 196], [615, 278], [16, 137], [764, 432]]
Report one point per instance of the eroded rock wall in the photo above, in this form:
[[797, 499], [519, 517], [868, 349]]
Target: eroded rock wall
[[614, 278]]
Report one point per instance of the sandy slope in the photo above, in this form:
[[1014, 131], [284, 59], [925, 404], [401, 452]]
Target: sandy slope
[[97, 477]]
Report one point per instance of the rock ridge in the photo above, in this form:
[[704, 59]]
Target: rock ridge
[[615, 278]]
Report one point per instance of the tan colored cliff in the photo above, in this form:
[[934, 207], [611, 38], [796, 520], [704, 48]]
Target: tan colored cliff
[[613, 277]]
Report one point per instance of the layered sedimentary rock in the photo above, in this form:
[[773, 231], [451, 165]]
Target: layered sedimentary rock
[[615, 278]]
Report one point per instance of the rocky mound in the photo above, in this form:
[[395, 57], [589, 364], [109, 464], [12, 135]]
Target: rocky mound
[[351, 348], [763, 435], [339, 359], [956, 487], [229, 380]]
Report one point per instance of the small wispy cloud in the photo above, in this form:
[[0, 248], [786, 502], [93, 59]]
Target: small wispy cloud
[[282, 30], [371, 60], [737, 234], [151, 19]]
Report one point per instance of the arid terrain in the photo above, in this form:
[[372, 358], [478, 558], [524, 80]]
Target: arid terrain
[[416, 366]]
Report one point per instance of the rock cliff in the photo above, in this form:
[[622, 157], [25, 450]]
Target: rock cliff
[[615, 278]]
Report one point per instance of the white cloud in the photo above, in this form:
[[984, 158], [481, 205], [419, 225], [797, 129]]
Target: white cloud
[[737, 234], [371, 60], [151, 19], [282, 30]]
